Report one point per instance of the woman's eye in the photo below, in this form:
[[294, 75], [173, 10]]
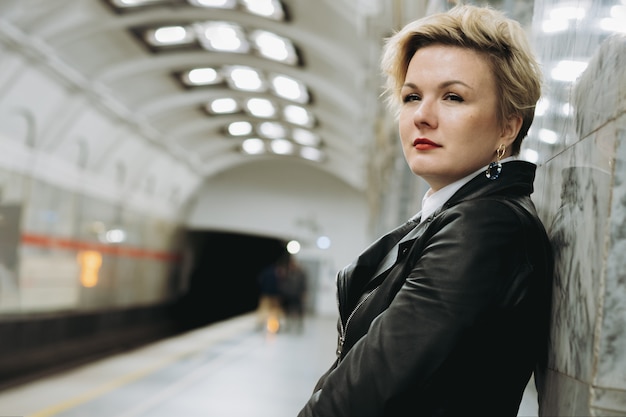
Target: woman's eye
[[410, 97], [454, 97]]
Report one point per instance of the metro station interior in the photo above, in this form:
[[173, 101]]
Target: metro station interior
[[156, 155]]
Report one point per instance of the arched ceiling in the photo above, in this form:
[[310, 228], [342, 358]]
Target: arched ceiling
[[337, 44]]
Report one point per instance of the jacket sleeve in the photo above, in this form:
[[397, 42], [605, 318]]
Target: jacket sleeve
[[465, 267]]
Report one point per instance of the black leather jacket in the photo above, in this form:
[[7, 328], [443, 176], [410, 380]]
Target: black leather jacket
[[445, 317]]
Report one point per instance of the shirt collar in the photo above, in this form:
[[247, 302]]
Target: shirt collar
[[433, 200]]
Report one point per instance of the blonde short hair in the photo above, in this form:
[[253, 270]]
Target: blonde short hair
[[501, 40]]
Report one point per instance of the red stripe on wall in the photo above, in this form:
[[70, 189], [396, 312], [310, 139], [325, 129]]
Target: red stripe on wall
[[108, 249]]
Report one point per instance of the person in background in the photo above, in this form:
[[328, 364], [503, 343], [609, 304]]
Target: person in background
[[447, 315], [269, 309], [293, 286]]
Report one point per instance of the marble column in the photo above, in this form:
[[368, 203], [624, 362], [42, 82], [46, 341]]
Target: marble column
[[582, 192]]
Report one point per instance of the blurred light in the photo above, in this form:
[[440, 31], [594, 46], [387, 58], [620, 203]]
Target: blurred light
[[246, 78], [619, 12], [530, 155], [542, 106], [273, 324], [169, 35], [560, 17], [552, 26], [548, 136], [222, 36], [274, 47], [272, 130], [136, 3], [90, 262], [298, 115], [281, 146], [115, 236], [567, 70], [240, 128], [224, 105], [260, 107], [305, 137], [202, 76], [566, 109], [253, 146], [290, 89], [567, 13], [312, 154], [612, 24], [293, 247], [266, 8], [220, 4], [323, 242]]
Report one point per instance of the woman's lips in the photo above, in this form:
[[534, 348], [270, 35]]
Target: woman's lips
[[422, 144]]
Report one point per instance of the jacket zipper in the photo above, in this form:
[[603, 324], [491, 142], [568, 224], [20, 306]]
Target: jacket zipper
[[344, 328]]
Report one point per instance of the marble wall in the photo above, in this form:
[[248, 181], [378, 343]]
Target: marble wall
[[579, 143]]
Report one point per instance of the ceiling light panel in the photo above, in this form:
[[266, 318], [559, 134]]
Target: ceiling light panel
[[261, 107], [271, 9], [219, 36], [216, 4], [305, 137], [272, 130], [253, 146], [241, 128], [274, 47], [268, 9], [201, 77], [298, 115], [136, 4], [225, 105], [289, 88], [169, 36], [245, 79], [282, 146], [222, 37]]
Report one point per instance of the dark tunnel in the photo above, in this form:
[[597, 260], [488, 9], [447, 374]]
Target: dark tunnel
[[222, 275]]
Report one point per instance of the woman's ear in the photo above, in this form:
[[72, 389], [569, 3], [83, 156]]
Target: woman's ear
[[511, 128]]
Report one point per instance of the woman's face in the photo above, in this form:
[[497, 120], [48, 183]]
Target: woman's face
[[448, 120]]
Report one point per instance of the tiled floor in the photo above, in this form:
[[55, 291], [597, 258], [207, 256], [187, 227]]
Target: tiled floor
[[229, 369]]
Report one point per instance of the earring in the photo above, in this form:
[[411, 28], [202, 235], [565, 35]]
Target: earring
[[495, 168]]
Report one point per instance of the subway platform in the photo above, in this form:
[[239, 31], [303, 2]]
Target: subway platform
[[226, 369]]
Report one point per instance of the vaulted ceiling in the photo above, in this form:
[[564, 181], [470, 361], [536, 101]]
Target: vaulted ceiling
[[136, 56]]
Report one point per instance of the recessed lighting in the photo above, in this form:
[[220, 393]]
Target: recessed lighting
[[253, 146], [224, 105], [261, 107], [240, 128]]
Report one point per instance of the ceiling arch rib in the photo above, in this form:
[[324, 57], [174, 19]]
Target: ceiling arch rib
[[322, 46], [199, 130], [334, 129], [341, 158], [343, 97], [228, 161]]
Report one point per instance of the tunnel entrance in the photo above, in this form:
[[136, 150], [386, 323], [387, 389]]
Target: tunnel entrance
[[220, 275]]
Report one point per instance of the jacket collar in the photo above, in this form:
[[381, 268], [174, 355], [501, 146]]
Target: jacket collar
[[516, 179]]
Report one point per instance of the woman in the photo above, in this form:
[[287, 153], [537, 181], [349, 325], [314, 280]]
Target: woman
[[448, 314]]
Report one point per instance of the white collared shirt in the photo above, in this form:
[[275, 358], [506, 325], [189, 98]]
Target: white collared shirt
[[433, 200]]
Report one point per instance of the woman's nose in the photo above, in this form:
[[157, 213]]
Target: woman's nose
[[425, 114]]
